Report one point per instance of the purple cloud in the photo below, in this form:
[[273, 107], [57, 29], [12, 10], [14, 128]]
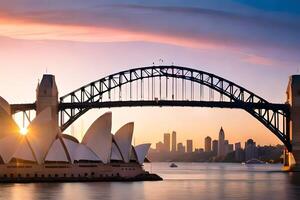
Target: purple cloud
[[235, 25]]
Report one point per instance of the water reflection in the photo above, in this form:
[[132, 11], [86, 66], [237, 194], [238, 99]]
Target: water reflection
[[188, 181]]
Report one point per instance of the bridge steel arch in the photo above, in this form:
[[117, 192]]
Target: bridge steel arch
[[275, 117]]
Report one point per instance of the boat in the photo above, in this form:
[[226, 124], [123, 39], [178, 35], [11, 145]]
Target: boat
[[255, 161], [172, 165]]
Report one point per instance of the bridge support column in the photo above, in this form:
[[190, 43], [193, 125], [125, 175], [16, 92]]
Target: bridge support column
[[292, 159], [47, 96]]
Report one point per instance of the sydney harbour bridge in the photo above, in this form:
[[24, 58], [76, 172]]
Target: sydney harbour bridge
[[175, 86]]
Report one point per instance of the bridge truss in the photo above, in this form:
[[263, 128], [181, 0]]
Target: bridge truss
[[171, 86]]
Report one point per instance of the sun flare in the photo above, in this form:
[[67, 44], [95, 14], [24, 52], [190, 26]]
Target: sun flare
[[23, 131]]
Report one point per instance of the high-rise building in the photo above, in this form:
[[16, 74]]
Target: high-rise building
[[221, 146], [215, 147], [174, 141], [207, 144], [239, 152], [226, 147], [189, 146], [160, 147], [237, 146], [250, 150], [167, 141], [180, 148], [230, 148], [239, 155]]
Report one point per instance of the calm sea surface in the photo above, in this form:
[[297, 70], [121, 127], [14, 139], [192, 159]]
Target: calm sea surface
[[189, 181]]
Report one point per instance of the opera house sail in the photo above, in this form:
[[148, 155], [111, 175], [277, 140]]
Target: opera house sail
[[44, 153]]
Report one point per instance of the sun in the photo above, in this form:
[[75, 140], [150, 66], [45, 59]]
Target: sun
[[23, 131]]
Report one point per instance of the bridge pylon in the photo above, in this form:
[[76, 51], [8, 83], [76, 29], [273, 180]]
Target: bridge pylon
[[292, 159], [47, 96]]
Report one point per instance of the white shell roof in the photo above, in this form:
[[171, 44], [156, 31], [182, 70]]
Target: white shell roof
[[141, 152], [75, 150], [24, 151], [41, 144], [84, 153], [115, 153], [123, 138], [80, 151], [70, 147], [8, 146], [5, 105], [9, 133], [133, 154], [57, 152], [98, 137], [41, 134], [8, 125]]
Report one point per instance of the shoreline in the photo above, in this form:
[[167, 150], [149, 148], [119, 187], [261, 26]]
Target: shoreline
[[138, 178]]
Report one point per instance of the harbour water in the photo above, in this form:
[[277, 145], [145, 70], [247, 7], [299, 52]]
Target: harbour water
[[187, 181]]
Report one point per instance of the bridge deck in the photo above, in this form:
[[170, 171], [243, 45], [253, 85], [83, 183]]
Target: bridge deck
[[110, 104]]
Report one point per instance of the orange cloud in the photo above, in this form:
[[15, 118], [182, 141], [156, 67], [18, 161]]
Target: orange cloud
[[259, 60], [30, 30]]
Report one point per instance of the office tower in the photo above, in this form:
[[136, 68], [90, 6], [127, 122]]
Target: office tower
[[215, 147], [207, 144], [239, 152], [237, 146], [189, 146], [250, 150], [174, 141], [167, 141], [230, 148], [226, 147], [160, 147], [180, 148], [221, 146]]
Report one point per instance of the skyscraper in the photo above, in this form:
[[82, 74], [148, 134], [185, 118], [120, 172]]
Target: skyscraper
[[180, 148], [189, 146], [167, 141], [226, 147], [230, 148], [221, 146], [250, 150], [237, 146], [174, 141], [215, 147], [207, 144], [239, 152], [160, 147]]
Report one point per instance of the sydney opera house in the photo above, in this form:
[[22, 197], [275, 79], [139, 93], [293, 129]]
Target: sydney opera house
[[44, 153]]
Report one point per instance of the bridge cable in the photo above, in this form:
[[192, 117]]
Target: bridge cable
[[160, 87]]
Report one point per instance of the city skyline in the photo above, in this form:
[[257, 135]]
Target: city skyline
[[221, 150], [165, 145]]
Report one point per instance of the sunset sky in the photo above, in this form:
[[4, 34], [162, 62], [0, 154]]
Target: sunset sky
[[255, 44]]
